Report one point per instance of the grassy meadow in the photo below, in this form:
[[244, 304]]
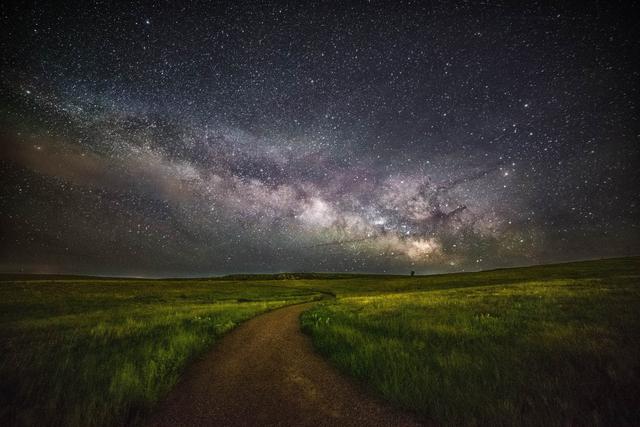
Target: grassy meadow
[[550, 345], [81, 352]]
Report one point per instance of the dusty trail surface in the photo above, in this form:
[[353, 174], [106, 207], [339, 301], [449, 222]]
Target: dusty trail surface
[[265, 372]]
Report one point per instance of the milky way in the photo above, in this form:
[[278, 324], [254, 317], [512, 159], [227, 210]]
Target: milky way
[[167, 139]]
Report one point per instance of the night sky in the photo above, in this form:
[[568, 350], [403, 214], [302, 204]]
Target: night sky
[[188, 138]]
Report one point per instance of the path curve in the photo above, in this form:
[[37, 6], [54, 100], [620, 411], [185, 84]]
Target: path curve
[[265, 372]]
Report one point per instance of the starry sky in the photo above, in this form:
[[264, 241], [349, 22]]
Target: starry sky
[[198, 138]]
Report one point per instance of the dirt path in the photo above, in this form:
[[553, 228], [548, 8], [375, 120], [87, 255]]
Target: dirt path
[[265, 372]]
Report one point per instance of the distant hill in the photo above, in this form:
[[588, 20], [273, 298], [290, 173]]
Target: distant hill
[[26, 276], [303, 276], [588, 264], [259, 276]]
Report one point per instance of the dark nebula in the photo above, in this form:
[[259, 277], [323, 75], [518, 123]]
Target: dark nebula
[[195, 138]]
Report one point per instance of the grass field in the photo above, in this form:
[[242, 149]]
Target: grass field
[[101, 352], [550, 345]]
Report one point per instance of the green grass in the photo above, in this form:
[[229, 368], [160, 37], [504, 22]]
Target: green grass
[[101, 352], [550, 345]]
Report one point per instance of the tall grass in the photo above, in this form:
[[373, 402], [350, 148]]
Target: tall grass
[[84, 353], [559, 351], [538, 345]]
